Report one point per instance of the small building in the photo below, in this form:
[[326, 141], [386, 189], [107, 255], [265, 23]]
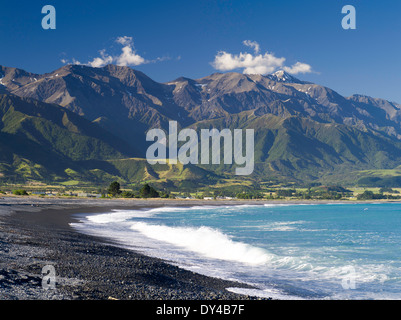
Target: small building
[[89, 195]]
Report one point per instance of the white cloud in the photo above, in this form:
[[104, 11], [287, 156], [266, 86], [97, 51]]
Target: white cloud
[[125, 41], [262, 64], [101, 61], [252, 44], [127, 57], [74, 61], [298, 67], [256, 63]]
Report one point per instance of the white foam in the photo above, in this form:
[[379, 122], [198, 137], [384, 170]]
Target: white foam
[[118, 216], [124, 215], [206, 241], [287, 204], [281, 226], [276, 205], [264, 293]]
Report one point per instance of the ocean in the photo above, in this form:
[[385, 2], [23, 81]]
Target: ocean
[[286, 251]]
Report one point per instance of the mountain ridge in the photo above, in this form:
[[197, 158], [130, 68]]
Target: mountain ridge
[[40, 137], [286, 112]]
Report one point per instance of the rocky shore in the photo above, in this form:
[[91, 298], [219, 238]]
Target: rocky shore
[[34, 232]]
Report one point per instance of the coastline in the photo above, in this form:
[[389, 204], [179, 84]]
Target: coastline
[[35, 232]]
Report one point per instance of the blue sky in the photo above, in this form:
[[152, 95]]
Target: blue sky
[[183, 38]]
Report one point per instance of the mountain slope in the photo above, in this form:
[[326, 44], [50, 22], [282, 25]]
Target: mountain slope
[[44, 139], [307, 150], [304, 131], [128, 103], [122, 100]]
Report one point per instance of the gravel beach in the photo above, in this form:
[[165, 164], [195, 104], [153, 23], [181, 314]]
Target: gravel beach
[[35, 232]]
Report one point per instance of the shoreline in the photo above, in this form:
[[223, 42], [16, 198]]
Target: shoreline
[[35, 232]]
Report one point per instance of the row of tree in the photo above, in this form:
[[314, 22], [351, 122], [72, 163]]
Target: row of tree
[[146, 191], [369, 195]]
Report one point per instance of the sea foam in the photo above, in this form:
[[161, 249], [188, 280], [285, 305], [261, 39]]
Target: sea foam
[[206, 241]]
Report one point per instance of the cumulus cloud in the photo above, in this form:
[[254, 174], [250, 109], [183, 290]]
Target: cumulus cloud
[[256, 63], [298, 67], [101, 61], [261, 63], [127, 57]]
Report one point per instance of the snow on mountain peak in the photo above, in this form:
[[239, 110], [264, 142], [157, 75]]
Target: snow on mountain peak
[[282, 76]]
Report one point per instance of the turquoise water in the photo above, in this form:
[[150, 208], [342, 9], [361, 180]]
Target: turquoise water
[[320, 251]]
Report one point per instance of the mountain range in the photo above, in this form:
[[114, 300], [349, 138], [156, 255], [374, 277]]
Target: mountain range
[[86, 123]]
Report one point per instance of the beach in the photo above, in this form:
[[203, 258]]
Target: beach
[[35, 232]]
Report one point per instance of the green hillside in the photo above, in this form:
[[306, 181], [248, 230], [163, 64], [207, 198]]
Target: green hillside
[[41, 141], [305, 150], [95, 129]]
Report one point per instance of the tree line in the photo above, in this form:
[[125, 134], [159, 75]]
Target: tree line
[[146, 191]]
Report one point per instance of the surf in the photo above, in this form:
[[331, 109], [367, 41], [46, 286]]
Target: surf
[[206, 241]]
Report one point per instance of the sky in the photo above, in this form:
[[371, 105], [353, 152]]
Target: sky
[[170, 39]]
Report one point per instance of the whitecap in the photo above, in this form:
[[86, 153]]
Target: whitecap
[[206, 241]]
